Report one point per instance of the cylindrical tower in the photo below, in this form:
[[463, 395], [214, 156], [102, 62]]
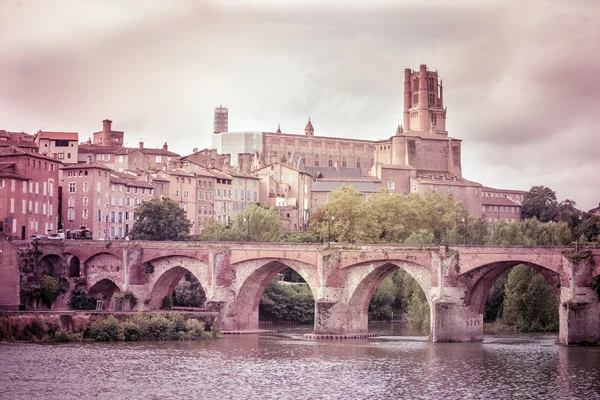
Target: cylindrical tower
[[423, 110]]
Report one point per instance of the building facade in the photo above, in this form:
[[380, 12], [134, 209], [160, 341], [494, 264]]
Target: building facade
[[29, 198]]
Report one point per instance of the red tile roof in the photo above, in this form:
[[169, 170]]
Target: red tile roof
[[58, 135]]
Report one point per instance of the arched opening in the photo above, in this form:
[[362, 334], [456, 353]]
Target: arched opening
[[177, 287], [104, 290], [515, 296], [287, 299], [50, 265], [297, 285], [74, 267], [390, 299]]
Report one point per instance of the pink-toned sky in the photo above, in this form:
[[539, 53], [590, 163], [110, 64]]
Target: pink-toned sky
[[521, 77]]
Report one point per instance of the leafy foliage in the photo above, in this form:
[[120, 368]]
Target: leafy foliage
[[540, 202], [530, 303], [255, 224], [160, 219], [49, 290], [395, 218], [189, 292], [283, 302], [81, 301]]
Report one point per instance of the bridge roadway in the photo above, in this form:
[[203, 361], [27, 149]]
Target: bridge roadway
[[456, 280]]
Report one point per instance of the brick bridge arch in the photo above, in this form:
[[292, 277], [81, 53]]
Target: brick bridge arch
[[479, 281], [103, 265], [105, 289], [168, 271], [363, 280], [251, 279]]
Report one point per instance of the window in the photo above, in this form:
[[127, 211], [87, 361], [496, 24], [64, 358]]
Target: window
[[158, 159], [98, 187], [85, 201], [316, 160], [60, 156], [72, 187], [476, 191], [85, 214], [415, 98], [86, 186], [186, 193], [177, 193], [344, 162], [358, 163], [12, 205], [330, 161]]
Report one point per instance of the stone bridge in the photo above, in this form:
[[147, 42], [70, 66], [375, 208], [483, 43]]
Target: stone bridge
[[456, 280]]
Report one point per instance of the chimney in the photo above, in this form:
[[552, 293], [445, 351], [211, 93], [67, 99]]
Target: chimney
[[195, 150], [141, 145], [106, 125], [165, 147], [89, 141]]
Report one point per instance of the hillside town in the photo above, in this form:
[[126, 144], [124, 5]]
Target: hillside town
[[89, 184]]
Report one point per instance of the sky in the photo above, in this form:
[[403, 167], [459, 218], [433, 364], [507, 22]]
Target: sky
[[521, 78]]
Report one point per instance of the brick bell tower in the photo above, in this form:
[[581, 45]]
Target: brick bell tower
[[424, 101]]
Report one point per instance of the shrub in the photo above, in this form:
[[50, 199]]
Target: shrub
[[160, 328], [107, 330], [167, 303], [179, 322], [50, 289], [132, 331], [194, 330], [127, 296], [33, 330], [62, 335], [81, 301]]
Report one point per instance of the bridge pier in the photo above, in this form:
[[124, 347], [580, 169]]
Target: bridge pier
[[580, 318], [579, 309], [454, 322]]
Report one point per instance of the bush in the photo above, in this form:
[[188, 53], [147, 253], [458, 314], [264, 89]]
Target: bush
[[127, 296], [33, 330], [81, 301], [167, 303], [194, 330], [132, 331], [63, 336], [50, 289], [161, 328], [107, 330]]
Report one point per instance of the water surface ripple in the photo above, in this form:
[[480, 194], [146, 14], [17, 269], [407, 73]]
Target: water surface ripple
[[285, 366]]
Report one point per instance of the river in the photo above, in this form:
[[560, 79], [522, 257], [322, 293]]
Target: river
[[286, 366]]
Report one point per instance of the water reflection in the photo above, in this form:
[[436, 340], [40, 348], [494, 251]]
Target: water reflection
[[400, 364]]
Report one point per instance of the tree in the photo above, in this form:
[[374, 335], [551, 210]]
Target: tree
[[540, 202], [346, 219], [255, 224], [160, 219], [189, 292], [529, 303]]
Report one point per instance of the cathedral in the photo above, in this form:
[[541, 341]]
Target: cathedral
[[418, 158]]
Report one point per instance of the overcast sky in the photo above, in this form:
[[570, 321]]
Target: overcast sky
[[521, 77]]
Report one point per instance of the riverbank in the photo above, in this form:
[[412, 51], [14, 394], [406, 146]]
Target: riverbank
[[65, 326]]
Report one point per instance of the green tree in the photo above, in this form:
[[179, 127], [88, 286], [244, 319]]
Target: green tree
[[284, 302], [346, 219], [189, 292], [160, 219], [530, 302], [540, 202], [255, 224], [382, 302]]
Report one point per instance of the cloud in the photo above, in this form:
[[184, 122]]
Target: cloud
[[520, 77]]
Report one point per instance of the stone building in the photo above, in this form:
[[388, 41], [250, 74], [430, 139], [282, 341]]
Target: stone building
[[29, 199], [19, 140], [502, 204], [63, 146], [420, 158], [101, 200], [288, 189]]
